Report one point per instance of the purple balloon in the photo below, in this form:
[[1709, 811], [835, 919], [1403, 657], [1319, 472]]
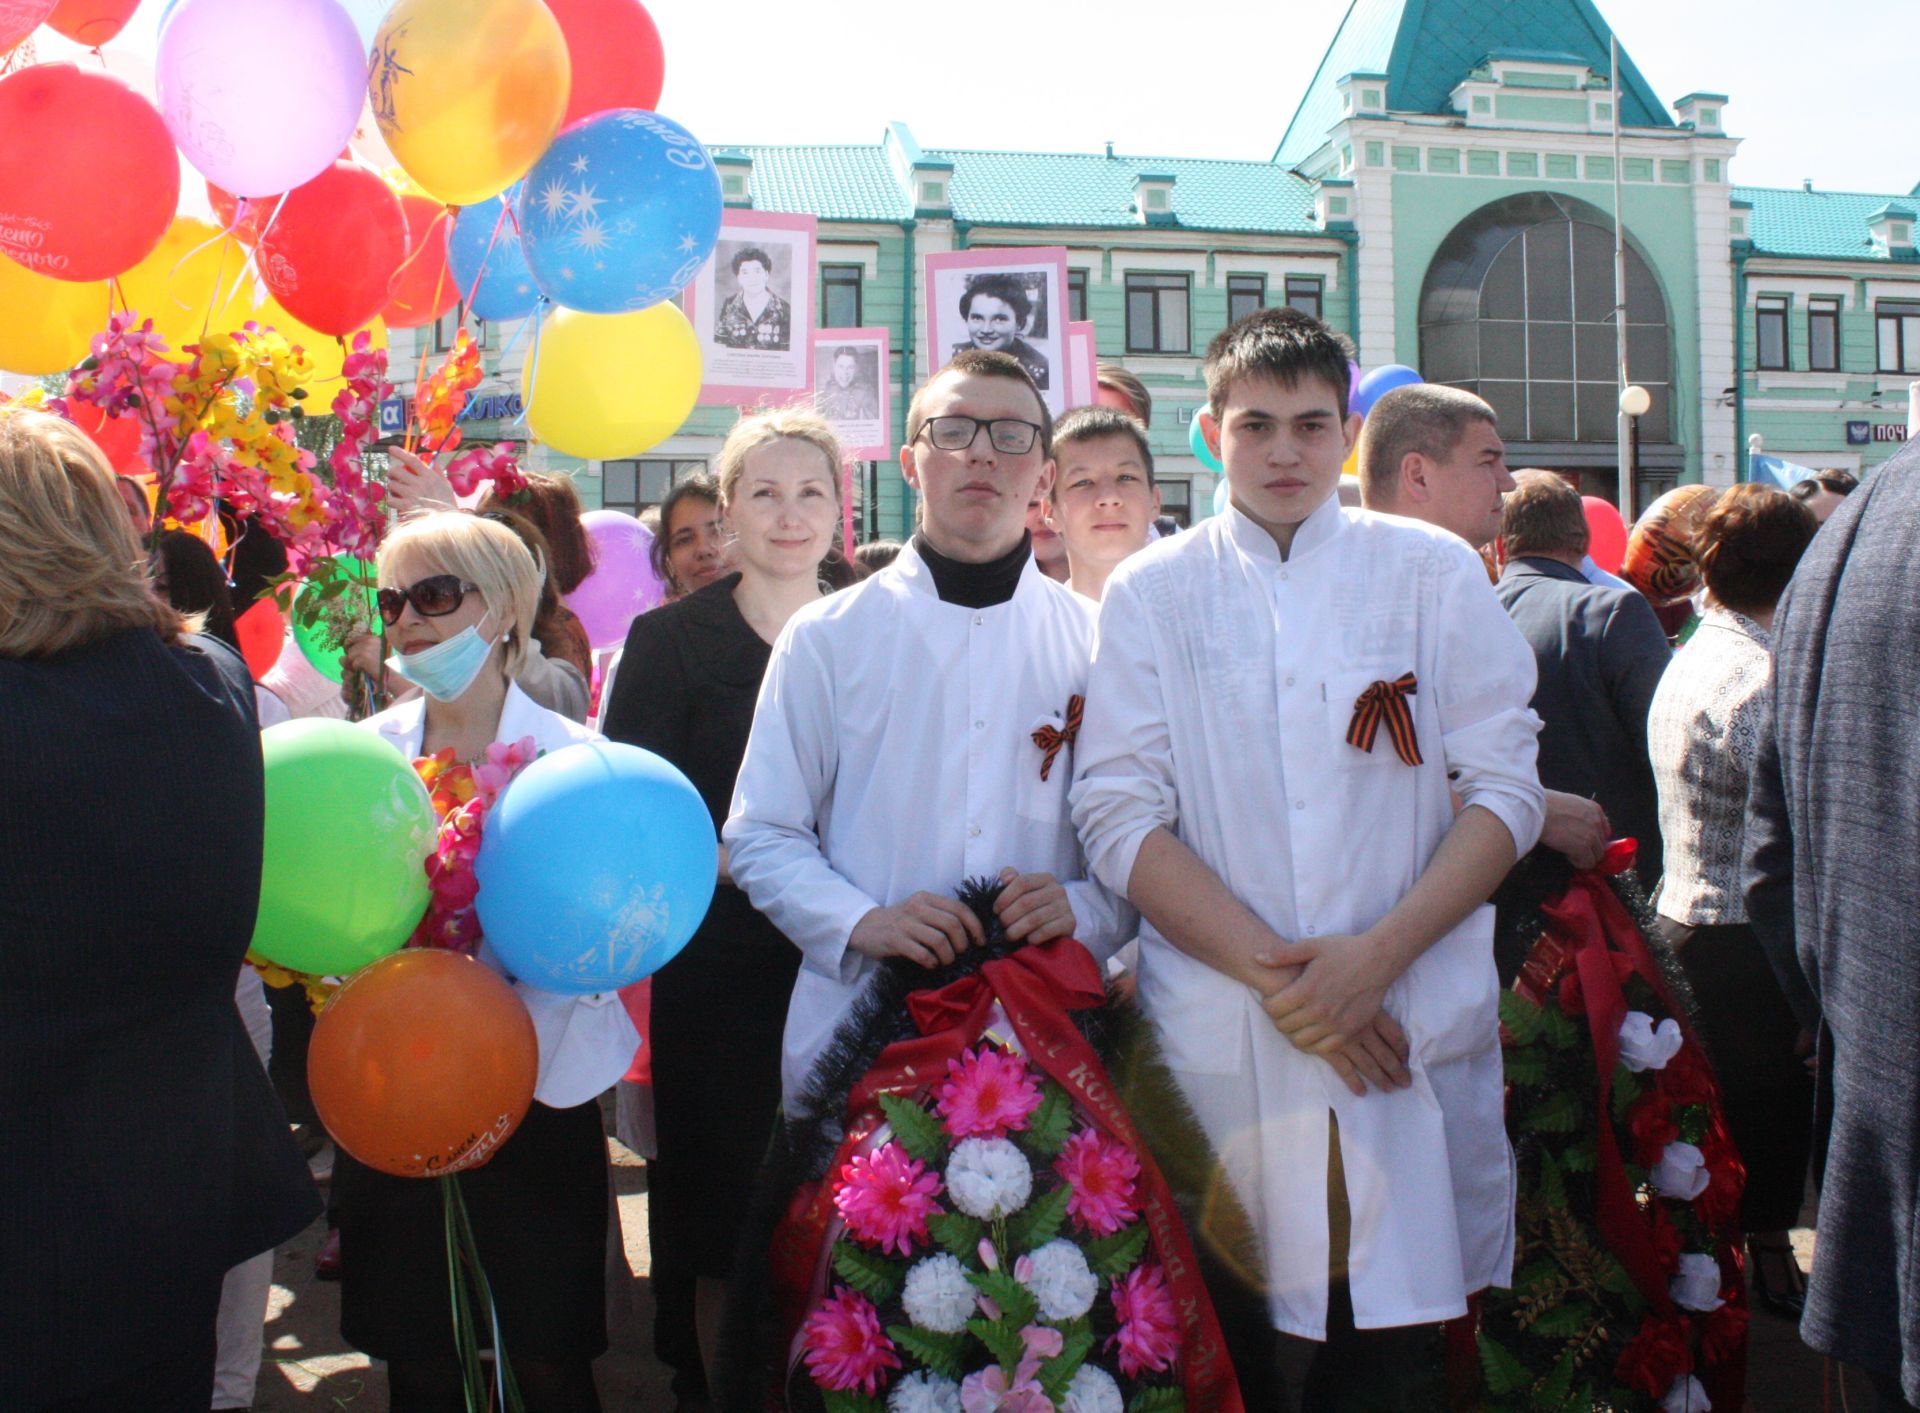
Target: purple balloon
[[623, 585], [260, 95]]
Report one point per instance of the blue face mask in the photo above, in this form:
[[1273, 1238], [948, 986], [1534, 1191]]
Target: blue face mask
[[446, 669]]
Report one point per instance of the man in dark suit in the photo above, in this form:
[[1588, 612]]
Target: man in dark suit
[[1833, 890], [1601, 653]]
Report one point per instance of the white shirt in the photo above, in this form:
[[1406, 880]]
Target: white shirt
[[892, 753], [1223, 685], [586, 1042]]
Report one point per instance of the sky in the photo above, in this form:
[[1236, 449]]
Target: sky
[[1823, 93]]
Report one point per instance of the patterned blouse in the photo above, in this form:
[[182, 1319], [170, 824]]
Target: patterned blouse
[[1703, 732], [736, 328]]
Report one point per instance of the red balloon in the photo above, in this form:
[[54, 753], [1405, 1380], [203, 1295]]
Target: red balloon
[[91, 22], [117, 437], [1606, 533], [332, 250], [423, 289], [262, 631], [88, 175], [616, 56], [245, 226]]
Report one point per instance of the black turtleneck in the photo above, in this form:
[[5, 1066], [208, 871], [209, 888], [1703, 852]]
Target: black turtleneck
[[975, 585]]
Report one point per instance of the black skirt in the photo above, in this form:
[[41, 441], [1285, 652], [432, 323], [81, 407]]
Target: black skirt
[[539, 1217]]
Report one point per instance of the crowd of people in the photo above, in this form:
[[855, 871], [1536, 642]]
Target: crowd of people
[[1273, 772]]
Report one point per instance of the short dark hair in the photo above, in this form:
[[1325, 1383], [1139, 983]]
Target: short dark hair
[[983, 363], [1006, 288], [876, 555], [698, 486], [1429, 418], [1282, 344], [1084, 424], [1840, 483], [1749, 543], [755, 253], [846, 350], [1112, 375], [1543, 514], [197, 584]]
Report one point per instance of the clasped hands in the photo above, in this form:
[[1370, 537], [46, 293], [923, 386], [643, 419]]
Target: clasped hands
[[931, 929], [1326, 996]]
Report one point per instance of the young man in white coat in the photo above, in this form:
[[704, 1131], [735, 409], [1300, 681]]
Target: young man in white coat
[[1284, 705], [916, 730]]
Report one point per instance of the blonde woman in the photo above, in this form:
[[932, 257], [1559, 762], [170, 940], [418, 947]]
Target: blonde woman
[[458, 595], [705, 654], [130, 843]]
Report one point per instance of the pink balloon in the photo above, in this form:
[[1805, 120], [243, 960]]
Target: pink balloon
[[260, 95], [1606, 533], [623, 585], [20, 18]]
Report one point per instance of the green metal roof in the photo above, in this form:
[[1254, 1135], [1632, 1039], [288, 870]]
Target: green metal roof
[[839, 183], [1426, 47], [1812, 224]]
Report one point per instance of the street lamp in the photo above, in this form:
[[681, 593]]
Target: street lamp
[[1634, 402]]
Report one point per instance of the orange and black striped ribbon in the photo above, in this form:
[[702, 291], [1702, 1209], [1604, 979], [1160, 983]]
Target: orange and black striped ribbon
[[1386, 701], [1052, 738]]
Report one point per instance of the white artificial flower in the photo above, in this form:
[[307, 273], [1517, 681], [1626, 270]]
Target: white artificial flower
[[938, 1296], [1061, 1281], [1686, 1396], [988, 1178], [1697, 1286], [1681, 1172], [922, 1392], [1645, 1046], [1092, 1391]]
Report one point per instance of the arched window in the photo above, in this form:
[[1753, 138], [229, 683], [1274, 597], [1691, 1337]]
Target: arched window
[[1518, 307]]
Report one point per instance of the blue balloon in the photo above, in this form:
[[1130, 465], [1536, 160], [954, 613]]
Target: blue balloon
[[1198, 444], [1378, 382], [505, 288], [597, 865], [1221, 494], [620, 213]]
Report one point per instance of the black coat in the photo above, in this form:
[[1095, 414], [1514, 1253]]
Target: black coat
[[1833, 850], [142, 1149], [1601, 653]]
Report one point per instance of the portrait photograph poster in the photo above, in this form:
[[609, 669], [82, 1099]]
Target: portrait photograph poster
[[751, 307], [1012, 300], [1083, 364], [852, 389]]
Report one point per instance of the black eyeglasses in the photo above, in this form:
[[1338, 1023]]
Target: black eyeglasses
[[433, 597], [956, 433]]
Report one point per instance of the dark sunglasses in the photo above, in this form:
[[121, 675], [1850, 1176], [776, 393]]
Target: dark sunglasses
[[433, 597]]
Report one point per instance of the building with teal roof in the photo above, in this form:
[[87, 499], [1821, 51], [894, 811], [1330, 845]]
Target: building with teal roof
[[1443, 195]]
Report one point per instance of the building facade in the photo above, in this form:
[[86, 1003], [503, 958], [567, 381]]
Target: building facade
[[1443, 196]]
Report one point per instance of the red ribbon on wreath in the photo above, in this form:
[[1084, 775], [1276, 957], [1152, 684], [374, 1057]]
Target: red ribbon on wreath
[[1036, 987]]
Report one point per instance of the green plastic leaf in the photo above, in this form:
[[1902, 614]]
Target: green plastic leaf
[[1521, 1017], [868, 1272], [958, 1234], [945, 1354], [1050, 1124], [1505, 1373], [1553, 1189], [1563, 1322], [1557, 1113], [1001, 1339], [1626, 1088], [1165, 1399], [1526, 1068], [852, 1401], [1039, 1221], [1557, 1030], [1579, 1157], [1115, 1255], [1016, 1302], [1076, 1343], [1533, 1275], [1557, 1390], [918, 1131]]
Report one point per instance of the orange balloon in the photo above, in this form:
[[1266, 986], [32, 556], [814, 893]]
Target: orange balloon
[[1659, 561], [423, 1063]]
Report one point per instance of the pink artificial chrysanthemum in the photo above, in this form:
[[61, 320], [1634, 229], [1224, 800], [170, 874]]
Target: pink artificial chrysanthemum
[[1149, 1336], [986, 1092], [1100, 1172], [846, 1348], [885, 1198]]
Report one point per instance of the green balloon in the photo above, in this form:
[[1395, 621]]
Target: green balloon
[[352, 598], [349, 826]]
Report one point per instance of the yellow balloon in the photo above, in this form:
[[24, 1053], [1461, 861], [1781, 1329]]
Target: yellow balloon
[[469, 93], [1351, 466], [612, 385], [48, 323]]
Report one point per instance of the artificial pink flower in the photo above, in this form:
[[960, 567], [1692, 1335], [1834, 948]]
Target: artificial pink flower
[[885, 1198], [1149, 1335], [846, 1348], [1100, 1172], [991, 1391], [987, 1091]]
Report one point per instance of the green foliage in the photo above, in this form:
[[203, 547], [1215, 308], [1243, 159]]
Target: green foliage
[[1504, 1373], [1002, 1339], [1558, 1031], [1115, 1255], [1557, 1391], [917, 1130], [1039, 1221], [958, 1234], [945, 1354], [1627, 1087], [1016, 1302], [868, 1272], [1166, 1399], [1522, 1018], [1526, 1068], [1553, 1189], [1580, 1156], [1564, 1321], [1559, 1112], [1049, 1124], [843, 1401], [1076, 1343]]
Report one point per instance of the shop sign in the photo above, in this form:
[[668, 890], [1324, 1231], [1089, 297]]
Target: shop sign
[[393, 416]]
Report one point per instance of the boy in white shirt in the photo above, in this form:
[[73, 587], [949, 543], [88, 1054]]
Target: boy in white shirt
[[1104, 498], [1283, 707]]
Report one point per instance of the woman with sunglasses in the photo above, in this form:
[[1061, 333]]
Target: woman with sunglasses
[[706, 653], [458, 595]]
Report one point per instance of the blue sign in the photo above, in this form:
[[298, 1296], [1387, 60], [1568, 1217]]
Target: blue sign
[[492, 407], [1859, 433], [393, 416]]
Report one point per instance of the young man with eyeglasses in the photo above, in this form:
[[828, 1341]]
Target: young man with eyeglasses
[[916, 730]]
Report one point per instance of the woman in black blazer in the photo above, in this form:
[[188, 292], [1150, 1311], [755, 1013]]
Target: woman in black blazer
[[686, 691], [142, 1150]]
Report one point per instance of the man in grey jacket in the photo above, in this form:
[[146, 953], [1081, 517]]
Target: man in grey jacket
[[1833, 890]]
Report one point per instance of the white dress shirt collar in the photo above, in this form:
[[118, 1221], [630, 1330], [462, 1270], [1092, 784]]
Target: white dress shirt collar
[[1314, 533]]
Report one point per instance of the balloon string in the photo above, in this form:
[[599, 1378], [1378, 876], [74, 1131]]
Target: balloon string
[[538, 320], [421, 249], [485, 255]]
